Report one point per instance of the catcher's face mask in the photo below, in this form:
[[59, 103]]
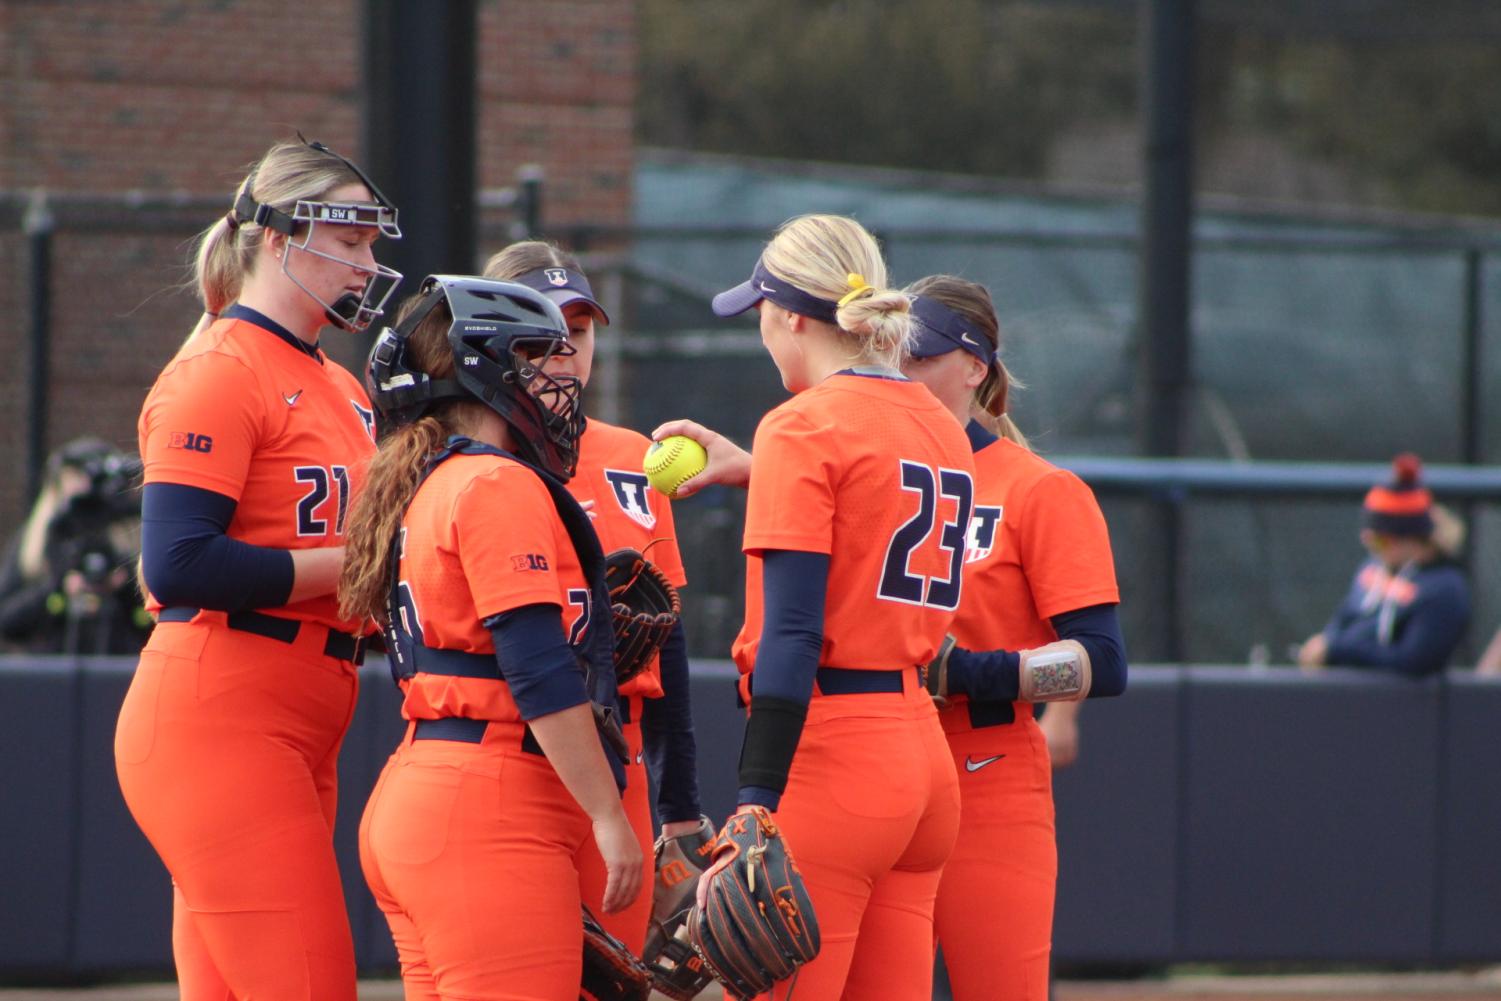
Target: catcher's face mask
[[502, 335]]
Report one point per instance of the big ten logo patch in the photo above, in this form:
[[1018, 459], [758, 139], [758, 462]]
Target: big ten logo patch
[[630, 493], [189, 441], [984, 525], [524, 562]]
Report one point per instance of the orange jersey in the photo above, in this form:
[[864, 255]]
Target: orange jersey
[[481, 537], [876, 474], [627, 512], [1037, 547], [244, 413]]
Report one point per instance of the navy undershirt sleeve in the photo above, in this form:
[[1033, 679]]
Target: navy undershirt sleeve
[[536, 661], [793, 586], [994, 675], [667, 735], [1098, 630], [188, 560]]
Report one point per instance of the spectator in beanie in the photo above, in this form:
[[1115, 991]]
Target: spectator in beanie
[[1409, 604]]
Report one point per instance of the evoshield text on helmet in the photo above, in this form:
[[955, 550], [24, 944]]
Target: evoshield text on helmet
[[502, 334], [349, 311]]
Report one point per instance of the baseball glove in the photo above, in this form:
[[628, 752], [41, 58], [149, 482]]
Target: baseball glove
[[644, 607], [757, 924], [611, 972], [676, 970]]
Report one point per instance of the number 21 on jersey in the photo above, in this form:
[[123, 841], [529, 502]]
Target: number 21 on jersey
[[898, 582], [321, 481]]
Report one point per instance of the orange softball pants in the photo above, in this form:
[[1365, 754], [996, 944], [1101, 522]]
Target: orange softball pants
[[870, 815], [628, 925], [471, 851], [226, 750], [994, 918]]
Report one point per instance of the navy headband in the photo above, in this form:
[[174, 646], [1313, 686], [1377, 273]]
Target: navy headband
[[939, 330], [564, 286], [765, 285]]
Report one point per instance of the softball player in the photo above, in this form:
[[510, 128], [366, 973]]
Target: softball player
[[860, 494], [1039, 601], [656, 717], [253, 442], [471, 551]]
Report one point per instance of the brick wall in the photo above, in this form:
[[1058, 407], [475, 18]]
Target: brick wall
[[174, 98], [557, 87]]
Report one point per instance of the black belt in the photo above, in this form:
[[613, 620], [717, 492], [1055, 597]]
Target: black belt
[[467, 731], [340, 646], [842, 681], [857, 681]]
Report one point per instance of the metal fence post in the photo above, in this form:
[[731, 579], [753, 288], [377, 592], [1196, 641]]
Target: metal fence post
[[529, 200], [38, 226], [418, 129], [1471, 432], [1165, 336]]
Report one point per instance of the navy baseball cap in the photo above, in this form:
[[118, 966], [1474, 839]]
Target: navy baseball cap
[[937, 330], [765, 285], [564, 286]]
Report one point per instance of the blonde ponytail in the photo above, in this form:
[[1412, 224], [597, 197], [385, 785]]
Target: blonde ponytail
[[1003, 426], [992, 398], [835, 258], [220, 265], [882, 323]]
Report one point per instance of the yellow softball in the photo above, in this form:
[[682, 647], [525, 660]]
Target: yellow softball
[[672, 461]]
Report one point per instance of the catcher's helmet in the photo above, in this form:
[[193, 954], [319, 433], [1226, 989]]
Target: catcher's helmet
[[502, 335]]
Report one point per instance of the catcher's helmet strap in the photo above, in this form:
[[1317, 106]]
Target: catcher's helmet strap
[[247, 209], [383, 214], [398, 390], [597, 654], [380, 198], [432, 293]]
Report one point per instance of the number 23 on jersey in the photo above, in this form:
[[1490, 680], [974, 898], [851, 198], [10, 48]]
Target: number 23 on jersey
[[927, 487]]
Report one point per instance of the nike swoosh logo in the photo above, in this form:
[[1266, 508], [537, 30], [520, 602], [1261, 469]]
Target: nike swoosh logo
[[766, 288], [971, 765], [963, 335], [292, 400]]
